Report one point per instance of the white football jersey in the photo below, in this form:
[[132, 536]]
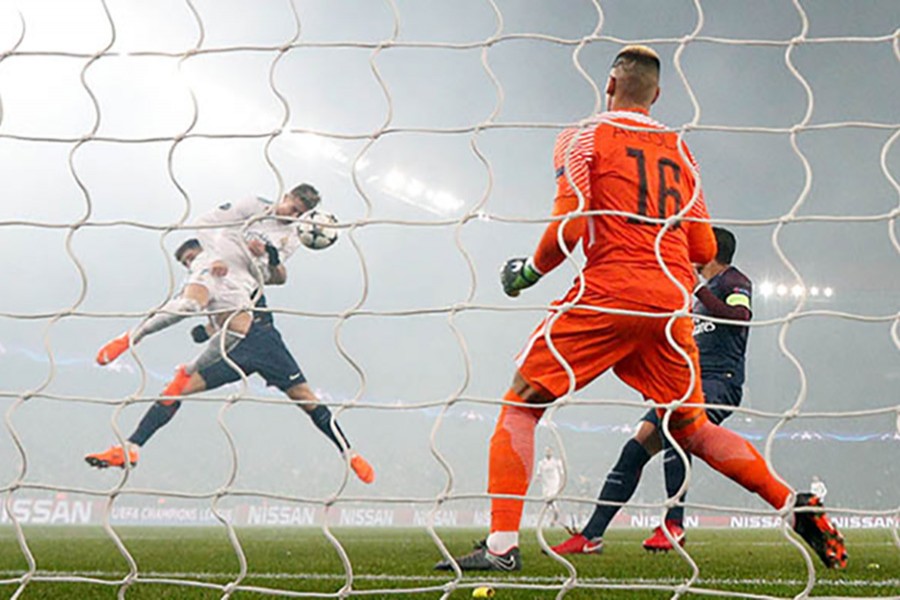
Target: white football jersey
[[550, 473], [281, 234], [228, 242]]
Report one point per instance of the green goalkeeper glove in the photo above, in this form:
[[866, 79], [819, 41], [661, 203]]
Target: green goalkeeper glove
[[518, 274]]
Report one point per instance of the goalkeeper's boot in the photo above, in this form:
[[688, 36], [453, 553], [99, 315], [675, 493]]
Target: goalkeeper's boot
[[578, 544], [362, 468], [482, 559], [178, 383], [658, 542], [113, 349], [113, 457], [816, 530]]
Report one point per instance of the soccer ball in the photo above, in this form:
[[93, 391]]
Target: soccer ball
[[319, 233]]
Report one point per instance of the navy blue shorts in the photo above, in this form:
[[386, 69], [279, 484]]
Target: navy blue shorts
[[261, 351], [717, 389]]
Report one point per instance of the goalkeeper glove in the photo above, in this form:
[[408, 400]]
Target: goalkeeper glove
[[518, 274], [274, 259], [199, 334]]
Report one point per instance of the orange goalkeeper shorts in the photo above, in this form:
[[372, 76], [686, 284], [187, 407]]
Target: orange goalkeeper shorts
[[634, 346]]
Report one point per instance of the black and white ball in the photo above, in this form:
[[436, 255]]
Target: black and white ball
[[320, 231]]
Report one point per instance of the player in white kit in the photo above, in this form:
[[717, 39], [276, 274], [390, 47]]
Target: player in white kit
[[240, 247], [224, 276], [550, 471]]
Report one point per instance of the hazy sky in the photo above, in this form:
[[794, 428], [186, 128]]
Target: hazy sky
[[116, 145]]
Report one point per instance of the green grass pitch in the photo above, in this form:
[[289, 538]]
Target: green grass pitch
[[751, 562]]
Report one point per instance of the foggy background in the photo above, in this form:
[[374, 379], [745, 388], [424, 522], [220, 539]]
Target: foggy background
[[117, 172]]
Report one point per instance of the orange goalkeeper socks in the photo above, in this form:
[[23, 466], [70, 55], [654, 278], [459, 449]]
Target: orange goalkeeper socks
[[736, 458], [511, 461]]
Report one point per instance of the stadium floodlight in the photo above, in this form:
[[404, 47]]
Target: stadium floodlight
[[767, 288], [414, 188], [394, 180], [828, 292], [814, 291], [797, 291], [781, 289]]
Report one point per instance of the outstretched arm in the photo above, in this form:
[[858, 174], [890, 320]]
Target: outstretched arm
[[571, 158]]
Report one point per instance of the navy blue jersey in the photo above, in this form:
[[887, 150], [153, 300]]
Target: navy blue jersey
[[723, 347]]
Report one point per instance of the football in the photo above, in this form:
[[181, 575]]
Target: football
[[319, 231]]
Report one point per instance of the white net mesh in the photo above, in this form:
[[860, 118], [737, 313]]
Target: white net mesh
[[429, 130]]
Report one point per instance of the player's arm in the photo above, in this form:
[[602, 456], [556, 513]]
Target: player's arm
[[275, 271], [520, 273], [701, 242], [700, 237], [202, 333], [735, 306], [570, 156]]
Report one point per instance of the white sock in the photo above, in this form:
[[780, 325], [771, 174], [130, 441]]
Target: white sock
[[499, 542]]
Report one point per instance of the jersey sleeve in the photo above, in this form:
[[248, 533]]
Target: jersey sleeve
[[701, 239], [739, 293], [572, 157]]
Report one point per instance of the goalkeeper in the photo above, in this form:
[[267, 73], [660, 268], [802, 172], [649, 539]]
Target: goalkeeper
[[641, 175]]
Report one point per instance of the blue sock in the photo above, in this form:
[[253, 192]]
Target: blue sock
[[673, 467], [156, 416], [619, 487], [321, 416]]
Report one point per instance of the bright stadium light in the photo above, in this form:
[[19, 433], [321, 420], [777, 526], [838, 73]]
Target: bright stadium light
[[394, 180], [445, 202], [783, 290], [414, 188]]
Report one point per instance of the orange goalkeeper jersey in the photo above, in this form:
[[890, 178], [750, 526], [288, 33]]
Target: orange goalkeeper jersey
[[640, 174]]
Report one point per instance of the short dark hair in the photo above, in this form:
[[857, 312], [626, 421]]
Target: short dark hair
[[189, 244], [726, 243], [307, 194]]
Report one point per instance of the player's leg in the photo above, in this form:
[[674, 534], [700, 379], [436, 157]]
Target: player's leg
[[236, 330], [192, 300], [590, 342], [511, 460], [666, 375], [264, 352], [717, 390], [325, 422], [510, 467], [158, 415], [618, 488]]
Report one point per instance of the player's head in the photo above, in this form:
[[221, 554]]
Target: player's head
[[726, 244], [299, 200], [633, 79], [188, 251], [549, 452]]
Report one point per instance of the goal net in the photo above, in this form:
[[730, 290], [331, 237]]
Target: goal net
[[428, 128]]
